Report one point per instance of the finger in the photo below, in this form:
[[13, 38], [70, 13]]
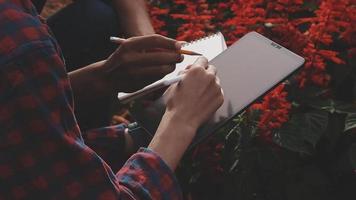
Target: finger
[[188, 67], [200, 62], [152, 59], [117, 40], [211, 69], [183, 42], [185, 70], [152, 71], [182, 72], [151, 42]]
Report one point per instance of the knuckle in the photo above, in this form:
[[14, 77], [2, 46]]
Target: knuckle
[[200, 70], [196, 70], [211, 77], [198, 67]]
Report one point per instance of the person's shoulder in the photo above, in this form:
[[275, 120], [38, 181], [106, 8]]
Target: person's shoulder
[[19, 25]]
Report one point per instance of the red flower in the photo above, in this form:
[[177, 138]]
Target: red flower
[[311, 36], [274, 112]]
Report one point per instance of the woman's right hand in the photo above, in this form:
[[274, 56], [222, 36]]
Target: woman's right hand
[[190, 103], [196, 98]]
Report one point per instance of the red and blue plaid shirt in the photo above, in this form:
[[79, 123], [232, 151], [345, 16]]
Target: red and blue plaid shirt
[[43, 154]]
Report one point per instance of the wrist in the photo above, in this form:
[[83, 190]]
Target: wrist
[[172, 138], [182, 117], [103, 77], [110, 79], [88, 80], [179, 121], [133, 32]]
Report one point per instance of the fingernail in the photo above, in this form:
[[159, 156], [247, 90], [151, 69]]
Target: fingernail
[[178, 45], [181, 58]]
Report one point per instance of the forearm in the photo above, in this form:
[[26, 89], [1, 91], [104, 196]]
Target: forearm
[[88, 86], [172, 138], [133, 17]]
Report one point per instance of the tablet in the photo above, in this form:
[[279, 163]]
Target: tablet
[[248, 69]]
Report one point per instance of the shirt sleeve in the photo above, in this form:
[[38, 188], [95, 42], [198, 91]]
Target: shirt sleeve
[[43, 154], [158, 184]]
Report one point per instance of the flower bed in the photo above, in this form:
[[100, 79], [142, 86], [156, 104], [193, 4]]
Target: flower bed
[[298, 142]]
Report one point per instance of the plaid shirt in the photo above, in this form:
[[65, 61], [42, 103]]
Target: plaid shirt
[[43, 154]]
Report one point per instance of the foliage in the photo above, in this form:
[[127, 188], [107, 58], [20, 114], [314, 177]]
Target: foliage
[[297, 142]]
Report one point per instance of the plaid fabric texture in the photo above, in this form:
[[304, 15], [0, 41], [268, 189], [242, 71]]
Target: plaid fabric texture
[[43, 154]]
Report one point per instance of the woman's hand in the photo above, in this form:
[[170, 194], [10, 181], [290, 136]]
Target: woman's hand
[[136, 63], [189, 104], [197, 96], [140, 61]]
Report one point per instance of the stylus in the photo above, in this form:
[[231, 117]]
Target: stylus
[[127, 97]]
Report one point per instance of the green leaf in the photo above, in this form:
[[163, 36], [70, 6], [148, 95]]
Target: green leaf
[[333, 106], [346, 108], [314, 125], [302, 132], [350, 122]]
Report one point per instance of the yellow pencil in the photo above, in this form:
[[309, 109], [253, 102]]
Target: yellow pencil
[[192, 53]]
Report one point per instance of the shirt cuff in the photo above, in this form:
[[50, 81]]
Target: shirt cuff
[[149, 177]]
